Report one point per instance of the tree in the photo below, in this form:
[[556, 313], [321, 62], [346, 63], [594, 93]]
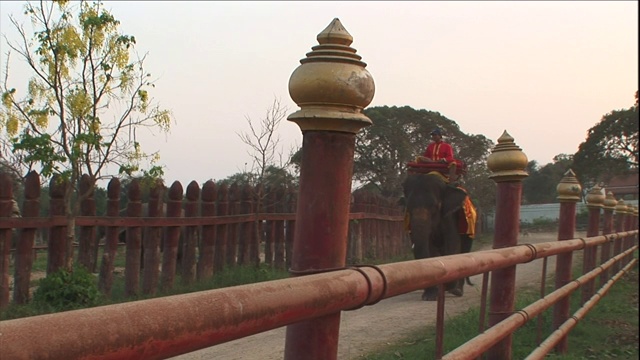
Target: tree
[[611, 147], [398, 135], [267, 166], [85, 100], [541, 184]]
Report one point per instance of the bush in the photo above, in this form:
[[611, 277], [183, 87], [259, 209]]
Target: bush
[[66, 290]]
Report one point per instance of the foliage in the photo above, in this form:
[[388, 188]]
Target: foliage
[[87, 96], [273, 177], [541, 184], [611, 147], [66, 290], [399, 134]]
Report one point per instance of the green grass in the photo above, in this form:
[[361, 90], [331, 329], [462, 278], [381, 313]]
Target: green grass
[[609, 331]]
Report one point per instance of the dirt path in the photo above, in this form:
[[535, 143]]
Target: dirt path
[[364, 330]]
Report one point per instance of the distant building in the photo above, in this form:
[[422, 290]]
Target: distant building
[[624, 186]]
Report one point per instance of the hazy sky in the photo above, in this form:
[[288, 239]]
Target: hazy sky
[[545, 71]]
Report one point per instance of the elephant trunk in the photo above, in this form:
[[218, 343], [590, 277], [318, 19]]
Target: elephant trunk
[[421, 229]]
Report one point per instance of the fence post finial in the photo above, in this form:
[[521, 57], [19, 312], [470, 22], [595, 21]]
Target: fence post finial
[[331, 85], [569, 188], [507, 161]]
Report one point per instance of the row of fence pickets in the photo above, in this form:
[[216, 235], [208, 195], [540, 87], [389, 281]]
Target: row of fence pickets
[[195, 234]]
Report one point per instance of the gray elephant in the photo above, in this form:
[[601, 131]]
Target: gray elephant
[[431, 213]]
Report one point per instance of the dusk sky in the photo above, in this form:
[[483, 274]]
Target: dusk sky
[[545, 71]]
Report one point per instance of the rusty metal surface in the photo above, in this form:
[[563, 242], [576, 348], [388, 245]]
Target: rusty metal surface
[[170, 326], [481, 343]]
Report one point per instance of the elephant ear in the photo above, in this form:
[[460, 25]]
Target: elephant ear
[[452, 199]]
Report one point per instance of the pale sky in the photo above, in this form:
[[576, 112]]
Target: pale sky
[[545, 71]]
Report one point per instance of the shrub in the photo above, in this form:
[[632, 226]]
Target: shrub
[[66, 290]]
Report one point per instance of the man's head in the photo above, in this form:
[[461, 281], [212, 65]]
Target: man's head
[[436, 134]]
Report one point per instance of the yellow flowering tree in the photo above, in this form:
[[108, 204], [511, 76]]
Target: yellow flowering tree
[[86, 96]]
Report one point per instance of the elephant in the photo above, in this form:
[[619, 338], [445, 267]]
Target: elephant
[[431, 205]]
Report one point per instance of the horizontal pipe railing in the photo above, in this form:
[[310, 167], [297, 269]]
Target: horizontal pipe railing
[[169, 326], [483, 342], [547, 346]]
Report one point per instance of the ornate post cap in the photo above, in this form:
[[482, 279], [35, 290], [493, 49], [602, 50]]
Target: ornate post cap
[[595, 197], [635, 210], [621, 208], [507, 162], [569, 189], [610, 202], [331, 85]]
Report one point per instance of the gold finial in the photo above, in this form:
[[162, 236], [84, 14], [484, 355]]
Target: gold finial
[[610, 202], [621, 208], [507, 162], [569, 189], [335, 33], [331, 85], [595, 197]]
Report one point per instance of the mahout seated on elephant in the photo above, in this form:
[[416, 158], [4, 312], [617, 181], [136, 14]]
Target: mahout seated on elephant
[[431, 204]]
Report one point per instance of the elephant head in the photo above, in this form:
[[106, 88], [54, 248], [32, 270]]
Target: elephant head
[[430, 206]]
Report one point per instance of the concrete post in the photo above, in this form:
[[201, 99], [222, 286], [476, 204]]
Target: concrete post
[[331, 86], [569, 191], [507, 163]]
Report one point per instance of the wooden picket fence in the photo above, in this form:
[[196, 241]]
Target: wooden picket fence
[[195, 233]]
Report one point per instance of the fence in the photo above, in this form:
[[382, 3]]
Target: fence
[[164, 327], [195, 234]]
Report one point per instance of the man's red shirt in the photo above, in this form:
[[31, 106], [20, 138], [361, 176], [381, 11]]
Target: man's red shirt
[[437, 151]]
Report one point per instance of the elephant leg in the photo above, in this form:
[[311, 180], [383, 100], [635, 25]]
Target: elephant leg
[[430, 294], [465, 246], [456, 287]]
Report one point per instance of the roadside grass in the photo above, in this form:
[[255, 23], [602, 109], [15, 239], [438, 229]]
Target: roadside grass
[[609, 331]]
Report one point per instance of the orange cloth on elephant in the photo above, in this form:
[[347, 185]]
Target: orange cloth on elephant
[[468, 217], [437, 151]]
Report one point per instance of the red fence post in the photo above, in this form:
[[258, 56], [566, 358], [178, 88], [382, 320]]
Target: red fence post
[[111, 238], [569, 191], [595, 201], [627, 241], [191, 235], [621, 210], [354, 254], [507, 163], [24, 248], [134, 242], [331, 90], [607, 228], [232, 235], [244, 230], [207, 245], [6, 206], [222, 230], [57, 234], [172, 239], [86, 240], [291, 199], [279, 236], [269, 206], [151, 242]]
